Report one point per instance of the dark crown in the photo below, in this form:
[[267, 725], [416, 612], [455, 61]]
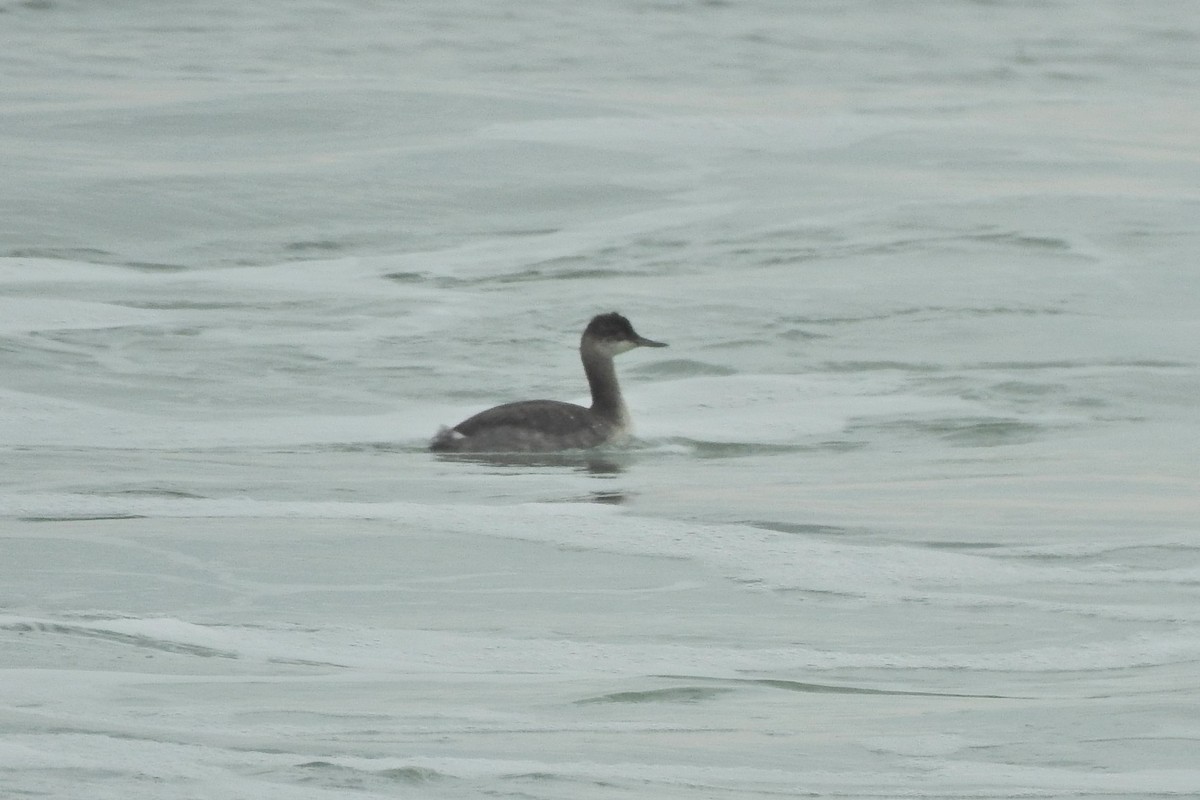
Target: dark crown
[[612, 327]]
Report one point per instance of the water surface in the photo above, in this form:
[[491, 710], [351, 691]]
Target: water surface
[[912, 509]]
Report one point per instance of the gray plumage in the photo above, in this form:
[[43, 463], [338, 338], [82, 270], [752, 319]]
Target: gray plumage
[[547, 425]]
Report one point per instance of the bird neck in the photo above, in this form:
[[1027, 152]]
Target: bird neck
[[606, 392]]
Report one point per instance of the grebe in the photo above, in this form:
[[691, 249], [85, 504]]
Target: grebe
[[546, 425]]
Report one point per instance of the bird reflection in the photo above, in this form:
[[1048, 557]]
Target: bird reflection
[[589, 462]]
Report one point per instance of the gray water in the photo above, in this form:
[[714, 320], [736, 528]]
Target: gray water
[[912, 507]]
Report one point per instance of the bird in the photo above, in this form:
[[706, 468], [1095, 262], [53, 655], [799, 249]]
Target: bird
[[528, 426]]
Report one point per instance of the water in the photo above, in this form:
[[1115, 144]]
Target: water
[[913, 507]]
